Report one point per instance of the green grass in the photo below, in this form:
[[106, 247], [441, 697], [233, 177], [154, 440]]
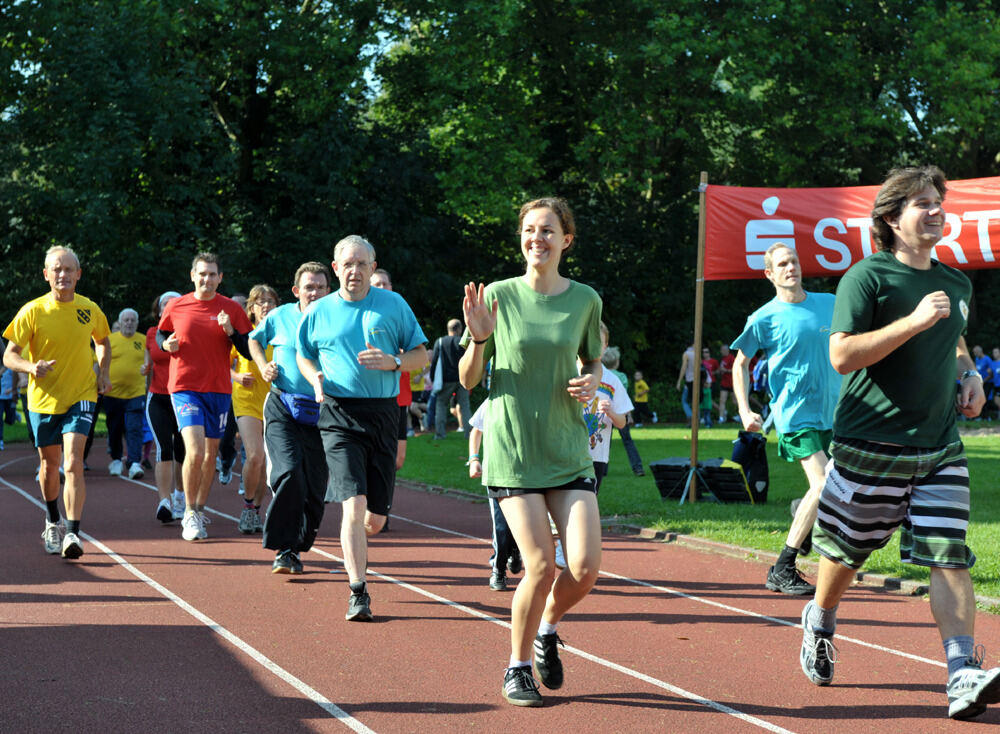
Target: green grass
[[635, 500]]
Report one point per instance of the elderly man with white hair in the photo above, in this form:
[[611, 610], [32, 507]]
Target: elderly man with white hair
[[125, 403]]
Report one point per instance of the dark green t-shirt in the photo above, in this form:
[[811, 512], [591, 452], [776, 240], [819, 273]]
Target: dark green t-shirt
[[534, 432], [908, 397]]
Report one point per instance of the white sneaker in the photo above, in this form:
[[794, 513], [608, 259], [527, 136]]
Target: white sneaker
[[115, 468], [191, 528], [560, 558], [202, 522], [164, 511], [53, 535], [971, 688], [177, 505], [135, 471], [72, 546]]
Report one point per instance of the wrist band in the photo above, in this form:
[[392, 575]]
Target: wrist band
[[473, 456], [477, 341]]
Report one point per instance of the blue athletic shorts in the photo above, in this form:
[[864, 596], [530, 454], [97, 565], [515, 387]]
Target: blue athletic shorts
[[49, 428], [207, 409]]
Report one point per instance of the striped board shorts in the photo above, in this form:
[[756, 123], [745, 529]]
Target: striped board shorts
[[873, 488]]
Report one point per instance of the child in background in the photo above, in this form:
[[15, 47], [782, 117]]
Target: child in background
[[641, 401], [609, 408]]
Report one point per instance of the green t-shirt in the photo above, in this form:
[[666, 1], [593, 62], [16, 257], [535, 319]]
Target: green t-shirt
[[534, 432], [908, 397]]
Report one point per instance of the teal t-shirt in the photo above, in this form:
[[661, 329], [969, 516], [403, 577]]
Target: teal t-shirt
[[908, 398], [334, 331], [279, 330], [795, 338], [534, 431]]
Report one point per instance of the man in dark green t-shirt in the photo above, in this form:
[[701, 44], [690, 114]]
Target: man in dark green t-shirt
[[897, 460]]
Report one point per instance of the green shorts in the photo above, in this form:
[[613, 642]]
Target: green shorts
[[799, 445]]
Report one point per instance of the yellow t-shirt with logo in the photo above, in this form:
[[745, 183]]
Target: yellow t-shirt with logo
[[60, 331], [127, 355]]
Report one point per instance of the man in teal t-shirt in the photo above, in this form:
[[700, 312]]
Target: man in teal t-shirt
[[793, 331]]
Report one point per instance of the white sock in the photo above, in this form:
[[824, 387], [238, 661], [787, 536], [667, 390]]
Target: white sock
[[547, 629], [515, 663]]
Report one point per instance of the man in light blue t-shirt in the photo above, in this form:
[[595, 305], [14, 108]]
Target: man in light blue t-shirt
[[296, 466], [351, 347], [793, 331]]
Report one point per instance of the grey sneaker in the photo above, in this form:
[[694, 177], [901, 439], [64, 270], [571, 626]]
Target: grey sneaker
[[258, 524], [247, 524], [287, 561], [971, 688], [498, 580], [359, 608], [519, 688], [53, 535], [818, 653]]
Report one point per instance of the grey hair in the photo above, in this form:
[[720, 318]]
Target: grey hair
[[60, 248], [132, 311], [353, 240]]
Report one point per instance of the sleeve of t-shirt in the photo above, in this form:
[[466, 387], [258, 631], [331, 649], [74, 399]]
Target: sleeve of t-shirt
[[19, 330], [747, 342], [412, 334], [621, 403], [591, 346], [854, 307], [479, 417], [102, 329], [303, 340], [262, 333]]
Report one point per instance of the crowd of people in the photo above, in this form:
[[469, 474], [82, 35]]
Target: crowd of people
[[862, 394]]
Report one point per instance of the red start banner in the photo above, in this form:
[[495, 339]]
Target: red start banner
[[830, 229]]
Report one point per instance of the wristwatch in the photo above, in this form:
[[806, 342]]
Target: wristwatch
[[399, 363], [971, 373]]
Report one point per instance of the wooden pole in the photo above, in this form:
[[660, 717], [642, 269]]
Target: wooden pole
[[699, 306]]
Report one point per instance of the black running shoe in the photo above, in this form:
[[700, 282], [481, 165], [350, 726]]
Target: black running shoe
[[547, 663], [514, 564], [788, 581], [519, 688], [359, 608], [498, 581], [287, 562]]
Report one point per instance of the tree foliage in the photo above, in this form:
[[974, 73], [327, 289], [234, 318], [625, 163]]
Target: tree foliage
[[140, 132]]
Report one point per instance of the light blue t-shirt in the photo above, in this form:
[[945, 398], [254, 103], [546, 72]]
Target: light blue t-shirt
[[279, 330], [334, 331], [795, 338]]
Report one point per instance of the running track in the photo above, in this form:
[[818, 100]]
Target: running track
[[149, 633]]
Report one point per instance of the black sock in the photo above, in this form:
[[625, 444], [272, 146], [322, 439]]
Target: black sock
[[72, 526], [787, 558], [358, 587], [53, 507]]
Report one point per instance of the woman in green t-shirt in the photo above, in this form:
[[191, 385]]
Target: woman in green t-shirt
[[534, 327]]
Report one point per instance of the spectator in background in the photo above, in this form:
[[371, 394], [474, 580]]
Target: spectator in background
[[725, 382], [685, 383], [447, 352], [8, 399], [641, 400], [611, 360], [984, 365]]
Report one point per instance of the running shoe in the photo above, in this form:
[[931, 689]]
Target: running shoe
[[72, 547], [177, 505], [788, 581], [359, 608], [191, 526], [135, 471], [203, 523], [547, 663], [247, 516], [519, 688], [165, 511], [258, 524], [53, 535], [971, 688], [287, 561], [560, 558], [115, 468], [498, 580], [818, 653]]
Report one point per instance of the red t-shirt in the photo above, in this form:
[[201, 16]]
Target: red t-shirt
[[161, 364], [201, 364], [727, 371]]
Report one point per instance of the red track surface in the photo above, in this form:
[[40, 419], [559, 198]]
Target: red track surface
[[148, 633]]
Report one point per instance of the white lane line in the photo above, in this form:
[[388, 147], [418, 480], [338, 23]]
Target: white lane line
[[301, 686], [710, 602]]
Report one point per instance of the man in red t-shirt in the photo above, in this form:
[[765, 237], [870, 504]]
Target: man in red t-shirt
[[198, 330]]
